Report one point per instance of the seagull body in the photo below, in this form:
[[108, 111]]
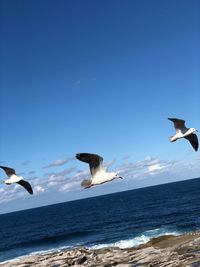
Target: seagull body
[[98, 173], [103, 177], [13, 178], [183, 132]]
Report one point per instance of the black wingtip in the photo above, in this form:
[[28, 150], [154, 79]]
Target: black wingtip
[[195, 145], [3, 167], [30, 190], [78, 156], [81, 155], [26, 185]]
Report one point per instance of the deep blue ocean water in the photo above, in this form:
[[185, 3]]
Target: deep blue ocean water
[[123, 219]]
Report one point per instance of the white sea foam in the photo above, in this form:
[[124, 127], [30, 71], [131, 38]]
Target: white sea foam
[[53, 250], [138, 240]]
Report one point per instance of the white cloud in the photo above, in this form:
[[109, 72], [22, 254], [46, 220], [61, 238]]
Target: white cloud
[[58, 162], [11, 192], [69, 186], [59, 176], [38, 189], [155, 167], [69, 179], [149, 167], [52, 183], [108, 164]]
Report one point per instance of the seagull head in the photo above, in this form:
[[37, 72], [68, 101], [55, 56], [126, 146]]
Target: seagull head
[[193, 130], [117, 176]]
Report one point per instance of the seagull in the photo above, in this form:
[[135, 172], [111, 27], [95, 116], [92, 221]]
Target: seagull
[[183, 132], [13, 178], [98, 173]]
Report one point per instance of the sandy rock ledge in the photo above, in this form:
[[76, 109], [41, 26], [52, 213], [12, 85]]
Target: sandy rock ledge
[[165, 251]]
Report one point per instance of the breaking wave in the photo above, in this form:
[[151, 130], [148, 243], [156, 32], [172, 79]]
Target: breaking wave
[[138, 240]]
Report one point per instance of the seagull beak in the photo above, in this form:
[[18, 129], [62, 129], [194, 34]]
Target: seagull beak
[[120, 177]]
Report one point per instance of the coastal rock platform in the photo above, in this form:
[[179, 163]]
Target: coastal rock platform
[[164, 251]]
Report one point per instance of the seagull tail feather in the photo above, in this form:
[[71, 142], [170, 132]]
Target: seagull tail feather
[[86, 183]]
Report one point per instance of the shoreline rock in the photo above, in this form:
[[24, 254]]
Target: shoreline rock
[[164, 251]]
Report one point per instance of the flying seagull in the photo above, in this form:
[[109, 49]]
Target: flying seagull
[[183, 132], [13, 178], [98, 173]]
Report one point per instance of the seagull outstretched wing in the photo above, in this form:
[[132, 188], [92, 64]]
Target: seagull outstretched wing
[[179, 124], [8, 170], [193, 139], [26, 185], [95, 161]]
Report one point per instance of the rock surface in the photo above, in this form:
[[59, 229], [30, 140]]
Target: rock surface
[[165, 251]]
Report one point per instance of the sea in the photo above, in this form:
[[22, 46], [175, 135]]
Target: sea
[[124, 219]]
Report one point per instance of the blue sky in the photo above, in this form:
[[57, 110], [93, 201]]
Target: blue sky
[[101, 77]]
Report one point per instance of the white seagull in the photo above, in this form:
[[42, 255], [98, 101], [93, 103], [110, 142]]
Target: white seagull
[[98, 173], [13, 178], [183, 132]]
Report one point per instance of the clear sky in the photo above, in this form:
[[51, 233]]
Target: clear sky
[[96, 76]]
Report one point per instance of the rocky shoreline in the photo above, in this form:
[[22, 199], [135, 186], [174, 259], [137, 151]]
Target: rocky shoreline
[[164, 251]]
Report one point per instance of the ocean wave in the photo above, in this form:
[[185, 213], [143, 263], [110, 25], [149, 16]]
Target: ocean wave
[[49, 251], [138, 240], [47, 240], [125, 243]]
